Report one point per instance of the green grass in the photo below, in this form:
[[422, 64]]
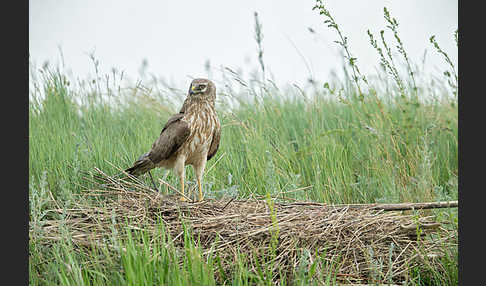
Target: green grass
[[349, 152], [345, 143]]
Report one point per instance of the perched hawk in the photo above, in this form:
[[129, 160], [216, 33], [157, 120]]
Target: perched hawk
[[190, 137]]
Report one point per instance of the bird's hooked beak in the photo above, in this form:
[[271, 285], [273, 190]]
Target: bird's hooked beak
[[192, 90]]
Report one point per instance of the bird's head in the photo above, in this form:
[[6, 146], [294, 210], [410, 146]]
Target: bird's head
[[203, 89]]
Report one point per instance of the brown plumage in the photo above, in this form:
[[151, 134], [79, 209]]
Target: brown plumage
[[190, 137]]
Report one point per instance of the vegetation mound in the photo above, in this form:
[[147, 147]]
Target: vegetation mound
[[355, 243]]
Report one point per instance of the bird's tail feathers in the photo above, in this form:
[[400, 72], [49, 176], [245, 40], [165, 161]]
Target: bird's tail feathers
[[141, 166]]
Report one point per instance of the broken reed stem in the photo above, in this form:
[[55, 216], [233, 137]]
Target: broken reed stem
[[405, 206]]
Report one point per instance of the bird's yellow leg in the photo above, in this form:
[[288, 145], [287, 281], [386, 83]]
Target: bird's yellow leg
[[200, 189], [199, 170], [183, 198]]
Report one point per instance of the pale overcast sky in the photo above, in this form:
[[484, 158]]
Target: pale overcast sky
[[178, 37]]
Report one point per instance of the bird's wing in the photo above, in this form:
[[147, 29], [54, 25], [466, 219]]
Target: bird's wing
[[215, 142], [173, 135]]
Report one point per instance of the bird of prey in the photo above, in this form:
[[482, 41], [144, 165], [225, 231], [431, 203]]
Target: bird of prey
[[190, 137]]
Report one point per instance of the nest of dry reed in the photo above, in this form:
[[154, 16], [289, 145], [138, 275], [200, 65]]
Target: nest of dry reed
[[365, 243]]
